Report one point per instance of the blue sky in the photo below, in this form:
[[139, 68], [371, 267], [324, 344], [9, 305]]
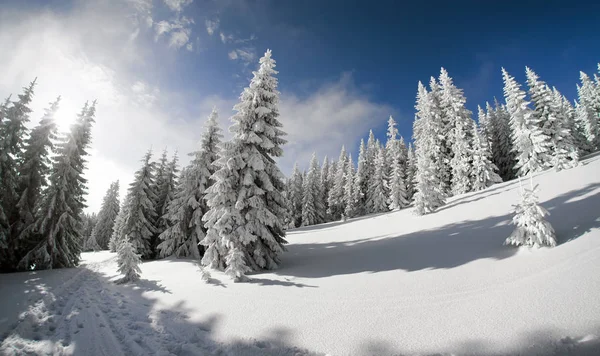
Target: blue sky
[[158, 66]]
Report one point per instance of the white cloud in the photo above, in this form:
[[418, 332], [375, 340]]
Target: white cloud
[[211, 26], [247, 55], [73, 59], [177, 5], [225, 38], [230, 38], [233, 55], [179, 31], [336, 114]]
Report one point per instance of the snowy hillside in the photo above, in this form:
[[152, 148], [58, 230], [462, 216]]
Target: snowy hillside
[[387, 284]]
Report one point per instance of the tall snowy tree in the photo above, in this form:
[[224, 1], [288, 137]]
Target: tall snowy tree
[[14, 117], [411, 172], [378, 196], [503, 155], [589, 111], [312, 204], [58, 224], [427, 128], [106, 217], [395, 168], [165, 192], [483, 174], [336, 194], [325, 187], [185, 212], [247, 206], [565, 154], [532, 229], [349, 193], [33, 171], [139, 222], [362, 179], [440, 116], [459, 123], [529, 141], [295, 189]]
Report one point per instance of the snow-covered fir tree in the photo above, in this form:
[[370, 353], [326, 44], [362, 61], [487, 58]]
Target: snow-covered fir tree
[[128, 261], [361, 180], [325, 187], [118, 234], [565, 154], [33, 172], [529, 142], [396, 167], [588, 111], [312, 204], [503, 155], [443, 141], [485, 127], [459, 124], [295, 192], [186, 229], [349, 193], [14, 117], [139, 222], [411, 172], [58, 224], [164, 188], [483, 173], [429, 187], [89, 243], [336, 194], [378, 196], [106, 217], [247, 206], [532, 228]]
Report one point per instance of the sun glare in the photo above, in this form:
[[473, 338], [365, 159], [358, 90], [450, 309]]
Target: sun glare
[[64, 117]]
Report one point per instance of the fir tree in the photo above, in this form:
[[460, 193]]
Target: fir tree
[[295, 189], [336, 194], [411, 172], [139, 222], [377, 192], [503, 155], [58, 224], [247, 206], [106, 217], [532, 229], [349, 186], [118, 234], [185, 212], [565, 154], [128, 261], [325, 187], [361, 180], [427, 129], [483, 174], [440, 116], [13, 131], [312, 205], [589, 111], [33, 172], [89, 243], [529, 142], [165, 189]]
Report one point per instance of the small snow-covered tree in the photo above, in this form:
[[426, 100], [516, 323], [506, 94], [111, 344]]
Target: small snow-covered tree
[[139, 223], [312, 203], [33, 172], [349, 193], [118, 234], [483, 174], [58, 239], [336, 194], [14, 117], [530, 143], [106, 217], [532, 228], [430, 193], [247, 206], [128, 261], [88, 242], [184, 215]]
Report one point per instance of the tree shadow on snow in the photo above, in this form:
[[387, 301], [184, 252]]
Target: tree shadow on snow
[[572, 214]]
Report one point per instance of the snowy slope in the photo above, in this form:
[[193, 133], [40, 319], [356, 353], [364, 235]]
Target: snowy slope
[[387, 284]]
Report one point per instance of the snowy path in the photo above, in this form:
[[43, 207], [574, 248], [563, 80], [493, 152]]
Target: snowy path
[[88, 314]]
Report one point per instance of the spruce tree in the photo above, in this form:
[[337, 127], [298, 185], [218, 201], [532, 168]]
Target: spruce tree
[[589, 111], [165, 192], [532, 229], [361, 180], [33, 171], [325, 187], [503, 155], [139, 222], [106, 217], [377, 192], [440, 116], [312, 204], [185, 212], [483, 174], [58, 240], [295, 195], [336, 194], [529, 142], [411, 172], [118, 234], [430, 193], [349, 193], [565, 154], [247, 206], [128, 261], [14, 117]]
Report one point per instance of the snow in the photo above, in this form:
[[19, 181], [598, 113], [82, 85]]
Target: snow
[[384, 284]]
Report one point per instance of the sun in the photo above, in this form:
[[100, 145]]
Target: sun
[[64, 117]]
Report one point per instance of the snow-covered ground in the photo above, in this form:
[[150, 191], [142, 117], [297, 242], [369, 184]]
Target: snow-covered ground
[[387, 284]]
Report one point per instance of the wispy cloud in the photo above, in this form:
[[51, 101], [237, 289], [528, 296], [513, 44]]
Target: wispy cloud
[[246, 55], [178, 30], [177, 5], [211, 26]]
